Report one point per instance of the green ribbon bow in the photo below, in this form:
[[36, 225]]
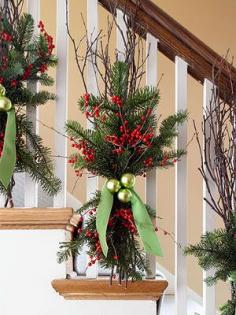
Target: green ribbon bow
[[141, 218], [8, 158]]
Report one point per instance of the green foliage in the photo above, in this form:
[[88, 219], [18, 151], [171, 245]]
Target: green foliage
[[216, 250], [229, 308], [24, 59], [137, 109], [119, 78], [123, 140], [131, 259]]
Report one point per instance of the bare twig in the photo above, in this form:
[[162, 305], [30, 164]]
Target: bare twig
[[218, 152]]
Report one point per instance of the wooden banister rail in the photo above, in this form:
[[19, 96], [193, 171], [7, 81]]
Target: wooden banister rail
[[175, 40]]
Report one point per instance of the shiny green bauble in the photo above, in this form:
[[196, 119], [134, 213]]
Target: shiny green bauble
[[113, 185], [2, 90], [5, 104], [124, 195], [127, 180]]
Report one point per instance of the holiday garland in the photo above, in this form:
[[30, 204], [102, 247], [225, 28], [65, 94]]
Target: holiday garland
[[122, 145], [24, 58]]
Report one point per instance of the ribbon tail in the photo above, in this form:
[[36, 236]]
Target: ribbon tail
[[8, 159], [145, 227], [102, 217]]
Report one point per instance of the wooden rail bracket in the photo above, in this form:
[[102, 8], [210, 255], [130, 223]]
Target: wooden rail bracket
[[35, 218], [100, 289]]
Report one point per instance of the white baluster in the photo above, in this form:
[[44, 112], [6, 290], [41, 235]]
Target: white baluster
[[208, 216], [2, 200], [151, 180], [31, 188], [61, 114], [181, 193], [120, 38], [92, 27], [62, 100]]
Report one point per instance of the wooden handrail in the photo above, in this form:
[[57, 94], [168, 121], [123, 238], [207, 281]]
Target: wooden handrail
[[175, 40]]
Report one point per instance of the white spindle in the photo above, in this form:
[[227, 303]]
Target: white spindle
[[61, 105], [31, 188], [92, 27], [120, 37], [181, 193], [208, 217], [151, 180]]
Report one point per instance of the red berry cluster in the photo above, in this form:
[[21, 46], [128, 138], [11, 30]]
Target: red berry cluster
[[1, 142], [86, 98], [80, 225], [72, 160], [117, 142], [49, 39], [95, 113], [127, 219], [88, 153], [93, 236], [13, 83], [130, 138], [3, 66], [6, 37], [43, 68], [116, 100], [166, 160], [27, 72], [41, 27], [137, 136], [148, 162]]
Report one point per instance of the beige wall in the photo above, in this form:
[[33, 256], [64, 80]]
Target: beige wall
[[214, 22]]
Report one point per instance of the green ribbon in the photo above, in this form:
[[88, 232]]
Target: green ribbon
[[103, 215], [145, 227], [8, 158], [141, 218]]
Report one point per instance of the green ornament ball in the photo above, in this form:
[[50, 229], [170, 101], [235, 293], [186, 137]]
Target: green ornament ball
[[2, 90], [113, 185], [5, 104], [124, 195], [127, 180]]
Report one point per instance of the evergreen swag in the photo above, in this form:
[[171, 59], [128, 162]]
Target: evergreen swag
[[123, 140], [25, 58], [217, 249]]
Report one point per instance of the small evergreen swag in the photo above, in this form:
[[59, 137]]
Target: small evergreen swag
[[25, 58], [217, 251], [123, 141]]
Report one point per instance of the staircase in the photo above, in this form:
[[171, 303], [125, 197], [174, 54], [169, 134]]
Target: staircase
[[35, 250]]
